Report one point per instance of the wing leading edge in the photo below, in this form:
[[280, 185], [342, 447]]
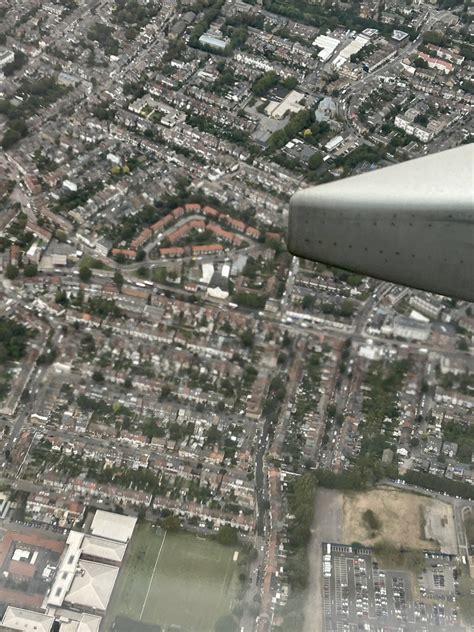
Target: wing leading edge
[[411, 223]]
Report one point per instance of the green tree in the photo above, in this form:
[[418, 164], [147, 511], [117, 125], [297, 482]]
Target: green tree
[[85, 273], [463, 345], [13, 337], [118, 278], [165, 391], [11, 271], [290, 83], [48, 357], [176, 431], [102, 307], [315, 161], [30, 270], [171, 523], [332, 410], [98, 377], [247, 299], [420, 63], [421, 119], [278, 139], [141, 254], [228, 536], [213, 435], [10, 137], [247, 338], [263, 84], [433, 37], [371, 521], [347, 308]]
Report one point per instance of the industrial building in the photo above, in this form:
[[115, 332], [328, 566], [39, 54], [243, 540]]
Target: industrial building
[[352, 48], [327, 44]]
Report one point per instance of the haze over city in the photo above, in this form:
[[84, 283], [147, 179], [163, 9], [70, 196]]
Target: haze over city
[[200, 432]]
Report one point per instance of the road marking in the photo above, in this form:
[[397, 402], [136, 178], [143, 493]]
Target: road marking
[[229, 564], [152, 576]]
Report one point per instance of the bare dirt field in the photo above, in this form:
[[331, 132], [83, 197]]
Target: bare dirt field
[[404, 519]]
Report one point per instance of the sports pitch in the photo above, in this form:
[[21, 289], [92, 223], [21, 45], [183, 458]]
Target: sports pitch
[[174, 578]]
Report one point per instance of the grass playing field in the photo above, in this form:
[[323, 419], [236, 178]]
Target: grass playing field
[[174, 578]]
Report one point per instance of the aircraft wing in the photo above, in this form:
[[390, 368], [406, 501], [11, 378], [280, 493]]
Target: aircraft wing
[[411, 223]]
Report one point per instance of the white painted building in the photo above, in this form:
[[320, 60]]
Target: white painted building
[[6, 57]]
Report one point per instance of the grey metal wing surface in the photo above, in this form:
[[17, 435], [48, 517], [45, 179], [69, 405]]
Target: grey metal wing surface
[[411, 223]]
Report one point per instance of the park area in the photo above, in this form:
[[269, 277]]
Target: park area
[[174, 578]]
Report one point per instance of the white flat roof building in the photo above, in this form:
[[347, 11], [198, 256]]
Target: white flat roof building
[[89, 623], [216, 292], [112, 526], [417, 316], [333, 143], [6, 57], [351, 49], [78, 622], [369, 32], [72, 186], [207, 272], [92, 585], [67, 569], [82, 582], [291, 103], [59, 260], [328, 45], [213, 41], [103, 549], [20, 554], [26, 620], [399, 36]]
